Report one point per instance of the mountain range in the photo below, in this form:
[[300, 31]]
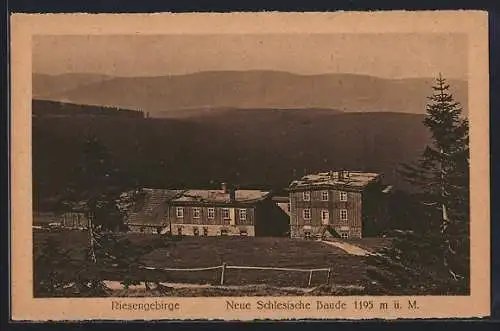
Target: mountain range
[[202, 92]]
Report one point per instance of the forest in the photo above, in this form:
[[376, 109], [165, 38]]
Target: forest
[[254, 148]]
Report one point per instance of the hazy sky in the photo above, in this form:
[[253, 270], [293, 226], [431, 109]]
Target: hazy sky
[[383, 55]]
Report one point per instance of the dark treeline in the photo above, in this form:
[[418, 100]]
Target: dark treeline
[[45, 108], [253, 149]]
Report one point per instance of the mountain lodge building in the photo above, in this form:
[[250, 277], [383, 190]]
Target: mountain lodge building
[[334, 203]]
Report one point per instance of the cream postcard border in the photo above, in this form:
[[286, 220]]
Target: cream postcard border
[[24, 26]]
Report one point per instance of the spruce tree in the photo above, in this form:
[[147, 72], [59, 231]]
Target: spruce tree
[[96, 185], [107, 195], [442, 179], [436, 252]]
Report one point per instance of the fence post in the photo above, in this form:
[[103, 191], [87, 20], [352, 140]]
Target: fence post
[[222, 274], [310, 278], [329, 276]]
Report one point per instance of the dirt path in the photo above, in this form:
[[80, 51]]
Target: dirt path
[[115, 285], [348, 248]]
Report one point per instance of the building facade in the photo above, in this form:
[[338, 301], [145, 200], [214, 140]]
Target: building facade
[[283, 203], [77, 220], [222, 212], [150, 211], [334, 203]]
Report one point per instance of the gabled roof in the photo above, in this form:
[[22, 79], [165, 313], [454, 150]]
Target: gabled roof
[[76, 207], [335, 179], [281, 198], [152, 209], [163, 193], [221, 196]]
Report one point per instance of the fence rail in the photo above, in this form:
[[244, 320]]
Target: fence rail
[[182, 269], [275, 268], [224, 267]]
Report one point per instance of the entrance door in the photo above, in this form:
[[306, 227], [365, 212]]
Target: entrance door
[[325, 217]]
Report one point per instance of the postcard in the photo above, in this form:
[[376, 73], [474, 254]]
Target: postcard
[[247, 166]]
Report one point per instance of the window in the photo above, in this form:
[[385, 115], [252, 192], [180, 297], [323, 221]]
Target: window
[[205, 232], [196, 212], [225, 213], [307, 214], [306, 196], [196, 232], [243, 214], [325, 217], [344, 235], [211, 213], [324, 196], [343, 196], [343, 214], [289, 206], [180, 212], [307, 234]]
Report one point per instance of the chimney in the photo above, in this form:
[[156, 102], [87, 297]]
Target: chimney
[[232, 194], [334, 175], [344, 175], [229, 190]]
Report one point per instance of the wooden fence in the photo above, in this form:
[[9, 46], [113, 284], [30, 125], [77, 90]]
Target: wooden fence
[[223, 267]]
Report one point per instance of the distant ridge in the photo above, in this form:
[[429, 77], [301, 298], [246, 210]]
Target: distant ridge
[[51, 86], [243, 90], [207, 111], [45, 108]]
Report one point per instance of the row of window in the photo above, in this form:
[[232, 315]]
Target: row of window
[[325, 215], [325, 196], [196, 212], [343, 235], [223, 232], [196, 231]]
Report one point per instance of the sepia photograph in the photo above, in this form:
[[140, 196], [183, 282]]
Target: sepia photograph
[[273, 166]]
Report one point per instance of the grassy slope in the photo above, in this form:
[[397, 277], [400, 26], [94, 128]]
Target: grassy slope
[[206, 252]]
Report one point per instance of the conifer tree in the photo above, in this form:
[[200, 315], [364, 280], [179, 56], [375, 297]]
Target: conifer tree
[[96, 184], [442, 179], [434, 257], [106, 194]]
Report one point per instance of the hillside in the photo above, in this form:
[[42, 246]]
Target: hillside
[[253, 148], [50, 87], [204, 113], [244, 90], [45, 108]]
